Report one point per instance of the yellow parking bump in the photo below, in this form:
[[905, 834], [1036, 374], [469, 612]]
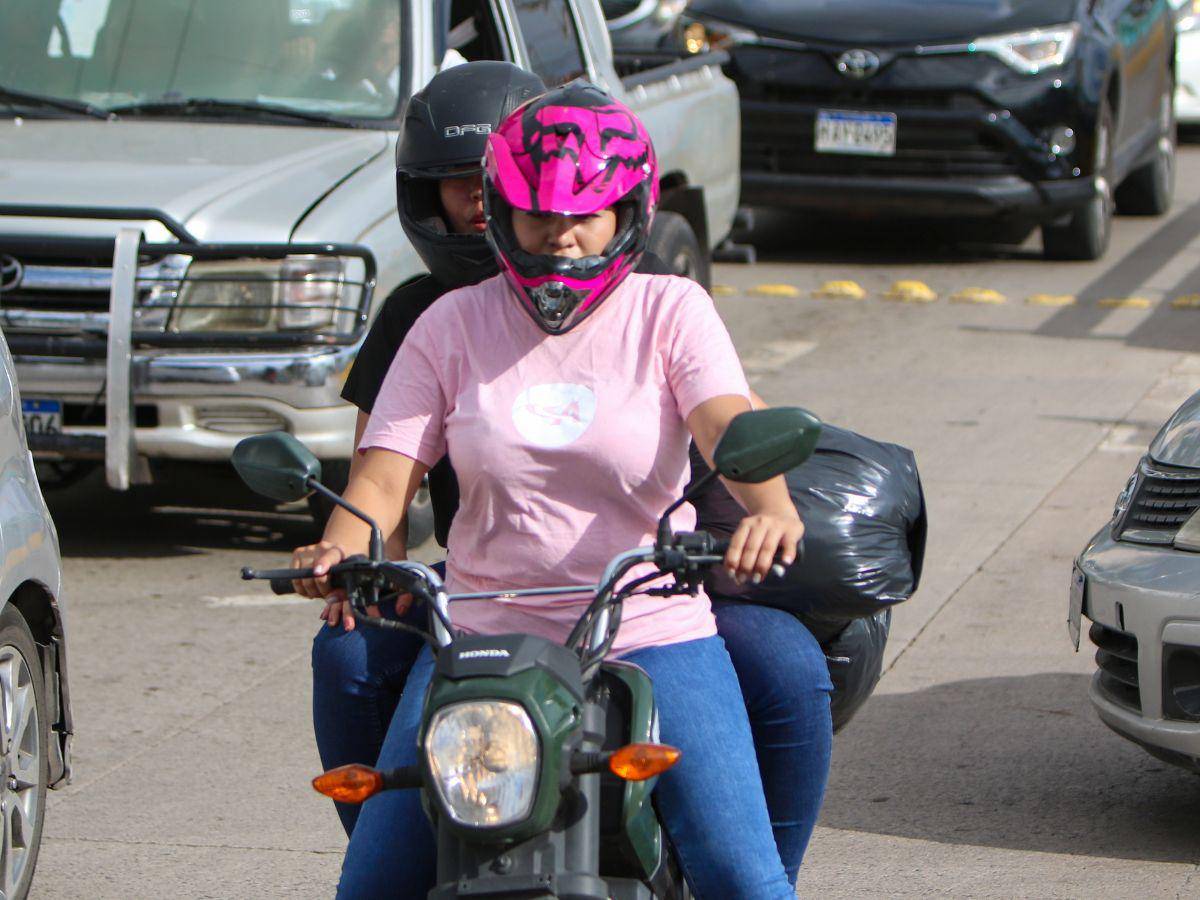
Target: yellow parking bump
[[1188, 301], [775, 290], [979, 295], [911, 292], [1125, 303], [723, 290], [1051, 300], [840, 290]]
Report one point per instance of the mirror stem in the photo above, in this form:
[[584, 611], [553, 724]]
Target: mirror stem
[[376, 535], [664, 524]]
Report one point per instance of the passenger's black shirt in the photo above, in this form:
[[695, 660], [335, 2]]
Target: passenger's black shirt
[[397, 317]]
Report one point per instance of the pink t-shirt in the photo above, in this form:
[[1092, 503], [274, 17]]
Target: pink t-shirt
[[567, 447]]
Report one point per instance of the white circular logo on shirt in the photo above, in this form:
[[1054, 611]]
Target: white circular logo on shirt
[[554, 415]]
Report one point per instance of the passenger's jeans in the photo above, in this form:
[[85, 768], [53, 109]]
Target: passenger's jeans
[[358, 677], [711, 802]]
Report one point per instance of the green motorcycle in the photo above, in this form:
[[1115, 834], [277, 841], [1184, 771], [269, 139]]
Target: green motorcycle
[[538, 760]]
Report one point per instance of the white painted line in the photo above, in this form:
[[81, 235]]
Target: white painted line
[[1123, 439], [253, 600], [776, 355]]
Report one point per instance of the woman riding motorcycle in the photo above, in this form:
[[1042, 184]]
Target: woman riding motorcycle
[[357, 674]]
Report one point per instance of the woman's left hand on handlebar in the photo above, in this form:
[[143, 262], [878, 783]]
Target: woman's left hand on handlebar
[[760, 541]]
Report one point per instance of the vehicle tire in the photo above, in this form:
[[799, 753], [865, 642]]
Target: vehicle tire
[[335, 475], [24, 748], [673, 241], [1149, 190], [1086, 235], [420, 517]]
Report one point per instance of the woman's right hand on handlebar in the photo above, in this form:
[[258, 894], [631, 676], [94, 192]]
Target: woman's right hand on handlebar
[[320, 557]]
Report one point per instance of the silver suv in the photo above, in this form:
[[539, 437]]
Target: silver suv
[[35, 711]]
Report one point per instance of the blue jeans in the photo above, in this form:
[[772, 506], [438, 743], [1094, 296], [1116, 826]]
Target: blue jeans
[[711, 802], [358, 677]]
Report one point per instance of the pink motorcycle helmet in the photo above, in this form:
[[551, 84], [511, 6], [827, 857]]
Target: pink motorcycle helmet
[[573, 151]]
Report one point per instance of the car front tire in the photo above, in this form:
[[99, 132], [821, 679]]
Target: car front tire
[[1086, 235], [673, 241], [335, 475], [24, 742], [1149, 190]]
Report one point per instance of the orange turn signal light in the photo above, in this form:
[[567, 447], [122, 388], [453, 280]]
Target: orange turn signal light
[[349, 784], [637, 762]]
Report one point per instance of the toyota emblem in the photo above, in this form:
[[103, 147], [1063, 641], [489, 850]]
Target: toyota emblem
[[858, 64], [11, 273]]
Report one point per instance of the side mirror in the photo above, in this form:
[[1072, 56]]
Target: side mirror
[[759, 445], [276, 465]]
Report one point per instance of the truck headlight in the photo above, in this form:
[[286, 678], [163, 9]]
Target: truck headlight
[[1031, 51], [701, 33], [300, 293], [483, 755]]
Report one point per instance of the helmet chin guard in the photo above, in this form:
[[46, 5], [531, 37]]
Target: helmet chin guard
[[574, 151], [554, 302]]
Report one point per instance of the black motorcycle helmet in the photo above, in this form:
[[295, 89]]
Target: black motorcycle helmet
[[443, 135]]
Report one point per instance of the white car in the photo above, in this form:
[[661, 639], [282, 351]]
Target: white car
[[1138, 581], [35, 710], [1187, 62]]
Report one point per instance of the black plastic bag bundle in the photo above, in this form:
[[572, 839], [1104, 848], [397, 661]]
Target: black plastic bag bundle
[[864, 543], [855, 660], [864, 532]]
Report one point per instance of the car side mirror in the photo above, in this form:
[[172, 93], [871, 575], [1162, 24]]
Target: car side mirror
[[276, 465], [759, 445]]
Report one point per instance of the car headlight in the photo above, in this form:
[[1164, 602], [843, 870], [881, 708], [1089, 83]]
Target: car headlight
[[483, 755], [1031, 51], [704, 34], [1189, 16], [300, 293]]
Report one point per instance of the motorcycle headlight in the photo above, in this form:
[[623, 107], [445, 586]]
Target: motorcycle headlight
[[1031, 52], [483, 755], [302, 293]]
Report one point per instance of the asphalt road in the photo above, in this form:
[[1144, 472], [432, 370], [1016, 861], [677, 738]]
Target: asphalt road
[[977, 770]]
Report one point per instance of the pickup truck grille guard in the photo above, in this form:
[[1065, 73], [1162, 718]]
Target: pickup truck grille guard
[[112, 336]]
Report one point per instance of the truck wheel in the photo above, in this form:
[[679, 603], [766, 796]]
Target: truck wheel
[[1086, 235], [420, 518], [24, 743], [1149, 190], [335, 474], [673, 241]]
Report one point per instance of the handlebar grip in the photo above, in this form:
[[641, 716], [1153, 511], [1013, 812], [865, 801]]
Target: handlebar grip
[[720, 546], [282, 586]]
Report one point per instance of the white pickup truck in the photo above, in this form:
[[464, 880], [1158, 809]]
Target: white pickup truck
[[197, 202]]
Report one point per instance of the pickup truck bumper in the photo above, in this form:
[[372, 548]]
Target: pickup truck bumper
[[197, 407]]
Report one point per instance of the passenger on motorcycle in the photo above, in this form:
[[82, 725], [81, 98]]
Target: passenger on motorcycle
[[773, 651]]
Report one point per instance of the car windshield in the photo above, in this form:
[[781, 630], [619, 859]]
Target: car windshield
[[331, 57]]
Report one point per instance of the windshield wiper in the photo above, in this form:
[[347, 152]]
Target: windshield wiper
[[203, 105], [10, 96]]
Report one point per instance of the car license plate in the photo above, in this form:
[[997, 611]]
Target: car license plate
[[1075, 610], [42, 416], [856, 133]]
